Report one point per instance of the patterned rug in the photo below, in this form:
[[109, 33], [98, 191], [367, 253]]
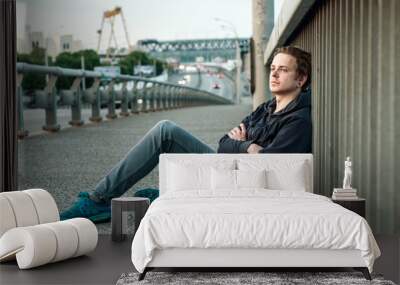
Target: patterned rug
[[242, 278]]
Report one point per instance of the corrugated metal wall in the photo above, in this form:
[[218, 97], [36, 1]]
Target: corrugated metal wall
[[355, 48]]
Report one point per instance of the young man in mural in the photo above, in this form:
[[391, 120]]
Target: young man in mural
[[280, 125]]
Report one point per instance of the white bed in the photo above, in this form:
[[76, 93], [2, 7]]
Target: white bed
[[219, 218]]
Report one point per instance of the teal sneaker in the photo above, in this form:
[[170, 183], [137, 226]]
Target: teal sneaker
[[150, 193], [87, 208]]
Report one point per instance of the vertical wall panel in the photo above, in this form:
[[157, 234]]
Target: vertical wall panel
[[8, 103], [356, 100], [396, 71], [335, 94], [386, 99], [361, 89]]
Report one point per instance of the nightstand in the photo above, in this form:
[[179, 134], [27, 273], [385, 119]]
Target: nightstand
[[355, 205], [120, 210]]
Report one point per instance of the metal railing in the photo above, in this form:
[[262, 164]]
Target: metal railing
[[135, 94]]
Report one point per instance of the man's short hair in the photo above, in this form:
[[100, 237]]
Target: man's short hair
[[303, 60]]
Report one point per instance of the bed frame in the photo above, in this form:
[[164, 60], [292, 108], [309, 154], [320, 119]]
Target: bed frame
[[242, 259]]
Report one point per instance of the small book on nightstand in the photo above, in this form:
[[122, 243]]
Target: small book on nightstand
[[344, 194]]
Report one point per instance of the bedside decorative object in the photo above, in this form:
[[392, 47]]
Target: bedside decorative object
[[344, 194], [120, 209], [356, 205], [347, 192], [347, 174]]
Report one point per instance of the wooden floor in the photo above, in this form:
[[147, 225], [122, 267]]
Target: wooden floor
[[103, 266], [110, 259]]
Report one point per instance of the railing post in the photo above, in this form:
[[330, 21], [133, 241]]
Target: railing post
[[110, 94], [124, 100], [155, 97], [76, 106], [170, 93], [198, 98], [50, 99], [185, 95], [172, 97], [143, 107], [175, 91], [22, 133], [166, 97], [160, 97], [202, 98], [147, 95], [150, 95], [179, 98], [192, 98], [130, 96], [134, 101], [92, 96], [141, 97]]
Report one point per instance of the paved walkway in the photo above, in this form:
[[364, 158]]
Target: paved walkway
[[75, 159]]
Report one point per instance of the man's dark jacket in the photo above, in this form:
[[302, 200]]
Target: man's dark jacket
[[287, 131]]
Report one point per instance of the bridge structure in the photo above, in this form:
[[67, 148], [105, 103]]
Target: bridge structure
[[133, 94], [208, 50], [187, 51]]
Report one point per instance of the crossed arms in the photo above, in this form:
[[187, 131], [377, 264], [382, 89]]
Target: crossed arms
[[239, 134], [293, 137]]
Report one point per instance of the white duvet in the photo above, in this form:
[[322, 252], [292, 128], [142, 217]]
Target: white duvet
[[250, 219]]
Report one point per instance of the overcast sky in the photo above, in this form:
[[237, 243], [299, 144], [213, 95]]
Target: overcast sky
[[159, 19]]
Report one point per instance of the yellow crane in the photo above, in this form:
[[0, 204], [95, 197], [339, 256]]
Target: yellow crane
[[109, 17]]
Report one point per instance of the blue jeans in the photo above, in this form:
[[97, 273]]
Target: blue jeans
[[165, 136]]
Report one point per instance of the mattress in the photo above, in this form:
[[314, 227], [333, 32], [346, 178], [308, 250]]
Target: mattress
[[251, 219]]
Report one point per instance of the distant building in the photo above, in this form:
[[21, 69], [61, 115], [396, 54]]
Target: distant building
[[68, 44], [29, 36], [37, 40], [138, 47], [77, 45], [52, 47], [23, 45], [172, 62]]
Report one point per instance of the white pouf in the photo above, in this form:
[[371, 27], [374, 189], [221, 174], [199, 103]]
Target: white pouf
[[30, 230]]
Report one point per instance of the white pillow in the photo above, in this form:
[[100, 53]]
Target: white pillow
[[236, 179], [282, 174], [223, 179], [292, 179], [185, 175], [251, 178]]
